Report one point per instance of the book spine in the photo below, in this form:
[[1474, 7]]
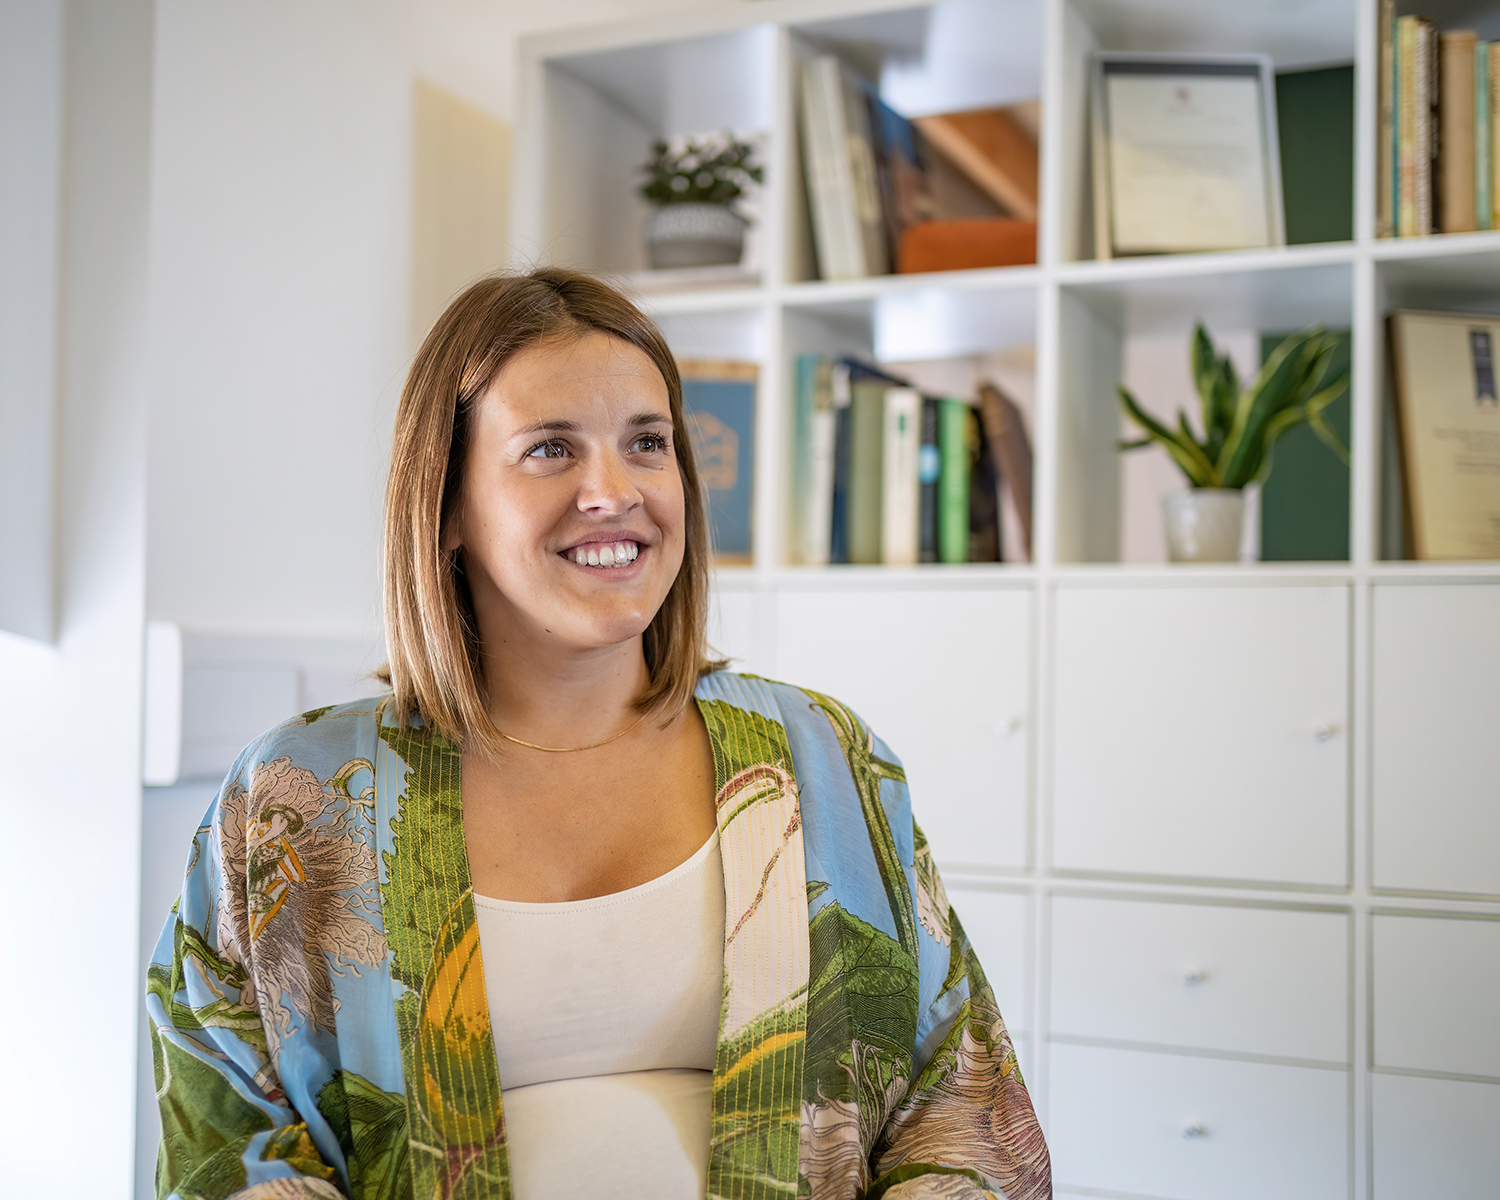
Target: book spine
[[984, 494], [1406, 122], [929, 472], [1385, 185], [866, 447], [817, 166], [867, 221], [838, 513], [1484, 171], [805, 376], [1455, 146], [899, 477], [953, 481], [1427, 95], [1494, 137]]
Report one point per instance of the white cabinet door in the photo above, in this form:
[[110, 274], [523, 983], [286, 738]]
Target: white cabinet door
[[1202, 976], [1437, 994], [1435, 1138], [943, 677], [1172, 1125], [1203, 732], [1436, 776]]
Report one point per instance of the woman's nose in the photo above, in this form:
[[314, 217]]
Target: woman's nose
[[607, 486]]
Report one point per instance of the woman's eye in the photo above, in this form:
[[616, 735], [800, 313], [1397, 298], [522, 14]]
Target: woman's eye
[[649, 443], [548, 449]]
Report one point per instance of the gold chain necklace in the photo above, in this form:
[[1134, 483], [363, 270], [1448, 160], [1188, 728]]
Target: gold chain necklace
[[615, 737]]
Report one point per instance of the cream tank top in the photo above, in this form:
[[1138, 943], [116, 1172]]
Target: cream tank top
[[606, 1021]]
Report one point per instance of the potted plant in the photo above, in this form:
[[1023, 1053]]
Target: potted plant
[[694, 186], [1240, 427]]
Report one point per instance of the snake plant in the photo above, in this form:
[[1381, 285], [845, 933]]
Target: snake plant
[[1241, 424]]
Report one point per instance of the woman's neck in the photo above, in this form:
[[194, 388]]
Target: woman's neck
[[553, 698]]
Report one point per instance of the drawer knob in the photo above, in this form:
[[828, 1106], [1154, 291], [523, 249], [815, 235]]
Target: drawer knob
[[1194, 1131], [1326, 733], [1006, 726], [1193, 977]]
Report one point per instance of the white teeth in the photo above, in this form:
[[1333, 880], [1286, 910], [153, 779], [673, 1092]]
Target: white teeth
[[619, 554]]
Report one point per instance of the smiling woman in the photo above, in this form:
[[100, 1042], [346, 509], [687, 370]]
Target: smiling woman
[[573, 910]]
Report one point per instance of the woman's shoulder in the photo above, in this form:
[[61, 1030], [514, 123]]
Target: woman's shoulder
[[323, 741], [789, 702]]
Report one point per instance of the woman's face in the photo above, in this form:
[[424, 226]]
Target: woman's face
[[572, 505]]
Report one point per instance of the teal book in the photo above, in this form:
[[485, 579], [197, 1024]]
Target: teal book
[[1315, 125], [720, 414], [1304, 504]]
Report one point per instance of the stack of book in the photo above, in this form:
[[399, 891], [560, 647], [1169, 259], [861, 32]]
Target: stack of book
[[887, 474], [1439, 138], [944, 192]]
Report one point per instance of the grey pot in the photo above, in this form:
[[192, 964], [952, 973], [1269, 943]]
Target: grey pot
[[1204, 524], [694, 235]]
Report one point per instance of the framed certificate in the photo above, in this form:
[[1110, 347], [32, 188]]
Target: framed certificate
[[1185, 154], [1449, 419]]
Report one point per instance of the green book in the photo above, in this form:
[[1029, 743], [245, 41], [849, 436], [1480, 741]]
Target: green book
[[953, 481], [1483, 139], [1304, 504], [1315, 127], [866, 449]]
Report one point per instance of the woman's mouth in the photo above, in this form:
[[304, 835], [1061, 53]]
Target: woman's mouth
[[604, 554]]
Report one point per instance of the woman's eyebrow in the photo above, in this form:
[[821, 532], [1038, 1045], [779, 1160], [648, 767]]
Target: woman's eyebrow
[[650, 418], [546, 426]]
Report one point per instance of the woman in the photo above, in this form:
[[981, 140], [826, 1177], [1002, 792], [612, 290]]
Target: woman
[[682, 916]]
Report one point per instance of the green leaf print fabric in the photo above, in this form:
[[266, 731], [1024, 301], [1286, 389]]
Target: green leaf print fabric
[[321, 1026]]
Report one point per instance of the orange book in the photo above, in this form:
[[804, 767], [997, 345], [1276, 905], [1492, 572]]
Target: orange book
[[991, 148], [961, 245]]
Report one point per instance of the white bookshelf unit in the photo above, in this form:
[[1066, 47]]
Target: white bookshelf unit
[[1227, 838]]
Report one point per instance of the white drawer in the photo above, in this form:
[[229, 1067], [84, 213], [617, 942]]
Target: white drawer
[[1436, 756], [1203, 732], [1211, 977], [1435, 1137], [944, 680], [1186, 1128], [999, 926], [1437, 994]]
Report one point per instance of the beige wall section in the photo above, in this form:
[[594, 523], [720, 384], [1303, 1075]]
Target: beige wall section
[[460, 199]]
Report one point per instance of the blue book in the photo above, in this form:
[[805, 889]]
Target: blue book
[[720, 412]]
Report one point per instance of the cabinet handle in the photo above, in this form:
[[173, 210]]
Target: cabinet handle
[[1006, 726], [1193, 977], [1326, 733], [1194, 1131]]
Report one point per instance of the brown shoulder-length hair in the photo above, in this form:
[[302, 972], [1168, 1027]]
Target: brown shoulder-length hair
[[432, 639]]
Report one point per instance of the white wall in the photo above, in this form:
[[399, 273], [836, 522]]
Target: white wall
[[279, 237], [70, 710]]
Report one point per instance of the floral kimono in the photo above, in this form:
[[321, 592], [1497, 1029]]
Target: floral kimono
[[321, 1023]]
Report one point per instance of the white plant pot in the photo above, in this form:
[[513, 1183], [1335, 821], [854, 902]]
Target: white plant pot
[[694, 235], [1204, 524]]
